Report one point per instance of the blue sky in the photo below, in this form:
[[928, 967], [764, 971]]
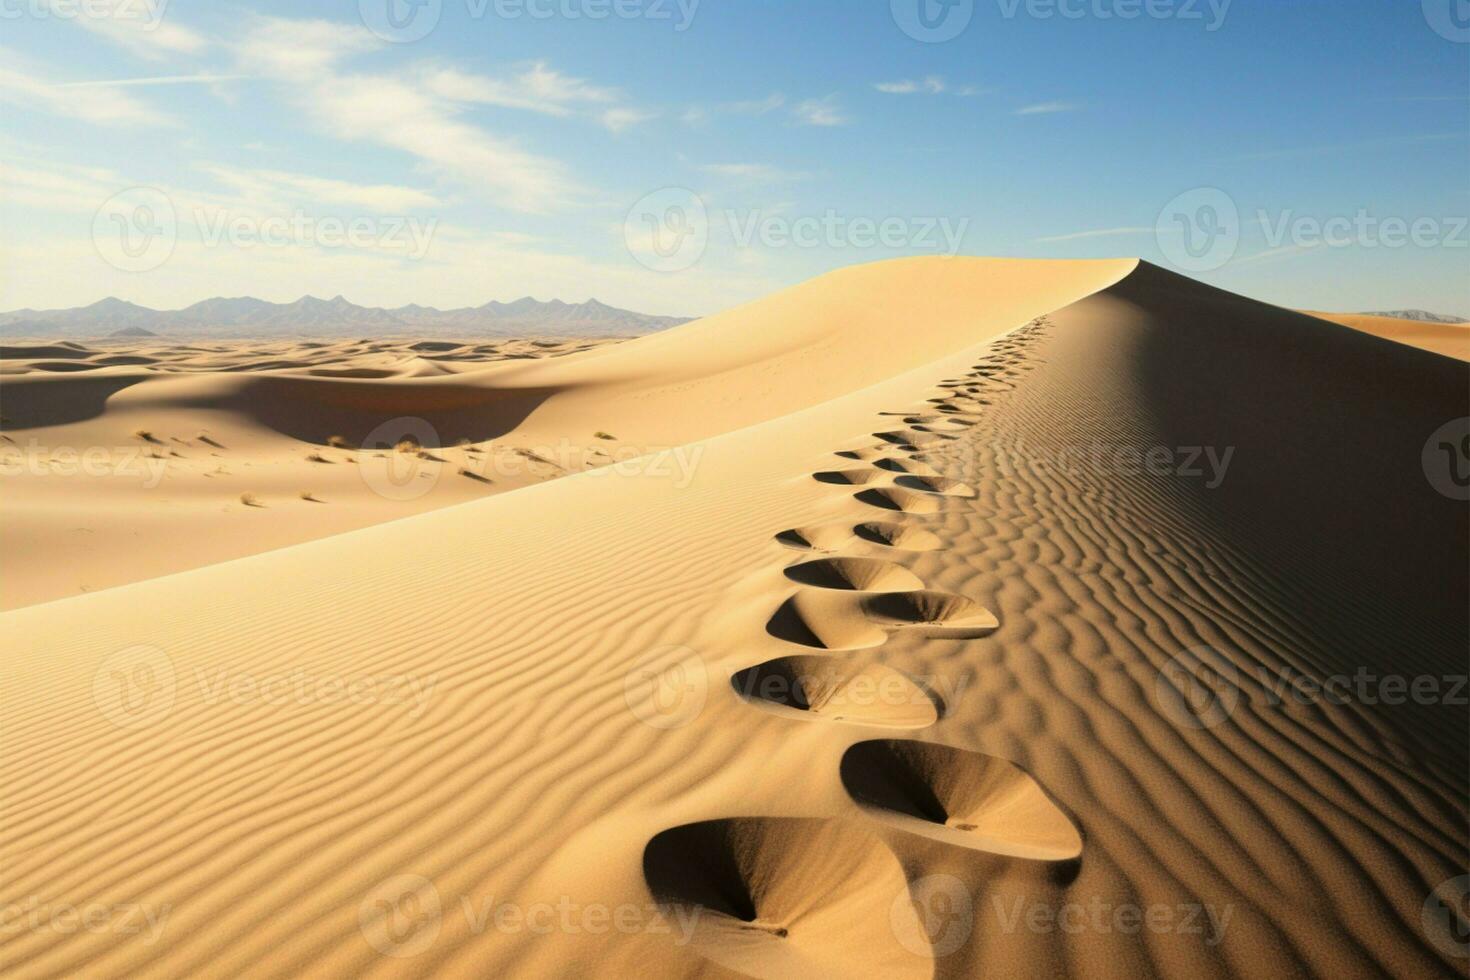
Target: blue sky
[[680, 157]]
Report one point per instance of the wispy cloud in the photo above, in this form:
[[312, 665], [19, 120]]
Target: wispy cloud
[[535, 89], [21, 86], [753, 172], [137, 25], [622, 117], [401, 113], [152, 81], [932, 85], [1095, 233], [383, 198], [1274, 254], [1047, 108], [819, 112]]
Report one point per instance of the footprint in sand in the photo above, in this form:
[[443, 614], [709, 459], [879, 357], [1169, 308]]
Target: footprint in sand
[[849, 478], [840, 620], [901, 499], [787, 897], [855, 575], [904, 537], [826, 688], [935, 484], [959, 797], [825, 538]]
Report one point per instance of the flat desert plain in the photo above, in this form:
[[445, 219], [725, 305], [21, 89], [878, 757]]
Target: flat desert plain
[[934, 618]]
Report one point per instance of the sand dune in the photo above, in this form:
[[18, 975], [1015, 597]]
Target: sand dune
[[1449, 339], [916, 650], [287, 419]]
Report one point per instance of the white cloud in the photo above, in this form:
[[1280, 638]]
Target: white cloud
[[382, 198], [757, 172], [296, 49], [141, 26], [537, 89], [819, 112], [1047, 108], [152, 81], [932, 85], [621, 118], [102, 106], [1096, 233], [402, 113]]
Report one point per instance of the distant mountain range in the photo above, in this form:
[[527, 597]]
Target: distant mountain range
[[309, 316], [1420, 315]]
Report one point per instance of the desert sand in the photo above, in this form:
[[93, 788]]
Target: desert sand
[[1449, 339], [965, 640]]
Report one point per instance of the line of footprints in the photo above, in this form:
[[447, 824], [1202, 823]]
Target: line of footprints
[[778, 896]]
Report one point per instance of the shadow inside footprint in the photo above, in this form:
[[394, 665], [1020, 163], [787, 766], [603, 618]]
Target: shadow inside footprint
[[960, 797], [855, 575], [786, 896]]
